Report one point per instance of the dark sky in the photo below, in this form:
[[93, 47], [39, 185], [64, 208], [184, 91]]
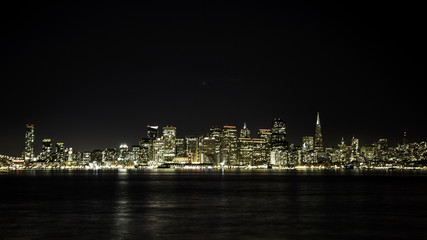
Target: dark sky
[[94, 75]]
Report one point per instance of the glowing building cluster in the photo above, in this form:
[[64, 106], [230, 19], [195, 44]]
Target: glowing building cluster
[[225, 146]]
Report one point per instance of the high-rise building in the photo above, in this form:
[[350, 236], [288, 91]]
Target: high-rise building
[[278, 134], [123, 152], [29, 143], [318, 140], [180, 147], [215, 132], [46, 154], [207, 150], [307, 143], [86, 158], [265, 133], [158, 151], [169, 137], [135, 154], [60, 152], [152, 132], [245, 132], [191, 144], [354, 149], [229, 148]]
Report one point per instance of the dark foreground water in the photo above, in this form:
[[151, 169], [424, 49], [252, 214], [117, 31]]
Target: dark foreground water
[[213, 204]]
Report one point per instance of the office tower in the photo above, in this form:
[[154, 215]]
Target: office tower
[[46, 154], [135, 154], [152, 132], [278, 134], [180, 147], [191, 145], [123, 152], [70, 154], [215, 132], [307, 143], [29, 143], [109, 155], [169, 137], [96, 156], [265, 133], [158, 151], [318, 141], [86, 158], [207, 150], [228, 148], [60, 152], [354, 149], [245, 132]]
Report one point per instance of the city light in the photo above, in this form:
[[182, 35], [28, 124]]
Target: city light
[[224, 148]]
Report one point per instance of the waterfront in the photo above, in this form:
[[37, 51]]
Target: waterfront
[[213, 204]]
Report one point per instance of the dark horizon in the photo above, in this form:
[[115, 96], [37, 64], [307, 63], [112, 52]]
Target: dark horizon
[[94, 75]]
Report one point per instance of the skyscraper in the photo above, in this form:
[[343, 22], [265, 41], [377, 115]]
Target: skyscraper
[[307, 143], [60, 152], [29, 143], [278, 133], [245, 132], [318, 141], [169, 137], [152, 132], [228, 148], [46, 153]]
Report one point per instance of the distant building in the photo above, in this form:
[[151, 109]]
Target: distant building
[[158, 151], [318, 140], [46, 154], [245, 132], [265, 133], [96, 156], [307, 143], [60, 155], [278, 134], [29, 143], [135, 154], [181, 151], [169, 137], [228, 149], [123, 152], [152, 132]]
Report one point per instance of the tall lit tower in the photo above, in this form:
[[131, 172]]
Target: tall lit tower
[[245, 132], [278, 133], [318, 141], [152, 132], [29, 143]]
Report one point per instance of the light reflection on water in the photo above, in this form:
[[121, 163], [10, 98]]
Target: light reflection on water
[[220, 204]]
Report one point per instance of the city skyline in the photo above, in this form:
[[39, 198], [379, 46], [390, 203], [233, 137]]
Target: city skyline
[[223, 147], [317, 136], [95, 75]]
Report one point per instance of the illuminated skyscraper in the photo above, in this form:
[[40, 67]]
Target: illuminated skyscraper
[[278, 133], [169, 137], [228, 148], [60, 152], [152, 132], [46, 153], [123, 152], [245, 132], [307, 143], [318, 140], [29, 143]]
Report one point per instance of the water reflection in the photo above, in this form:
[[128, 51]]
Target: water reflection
[[220, 204]]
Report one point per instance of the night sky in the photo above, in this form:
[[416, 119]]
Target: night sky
[[93, 75]]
